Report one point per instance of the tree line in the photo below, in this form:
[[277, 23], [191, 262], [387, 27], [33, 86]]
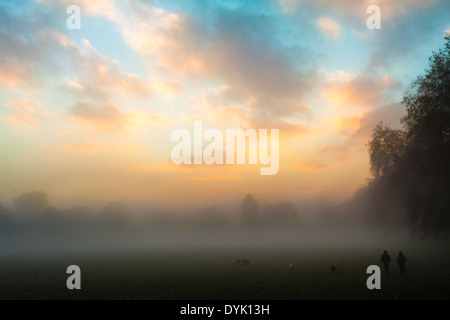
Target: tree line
[[411, 166]]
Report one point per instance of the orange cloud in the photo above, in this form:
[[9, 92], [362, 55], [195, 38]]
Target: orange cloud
[[360, 90], [343, 124], [26, 112], [106, 117], [349, 124]]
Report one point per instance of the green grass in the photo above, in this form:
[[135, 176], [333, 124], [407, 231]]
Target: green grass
[[201, 274]]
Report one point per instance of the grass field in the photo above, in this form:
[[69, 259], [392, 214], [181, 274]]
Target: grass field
[[203, 274]]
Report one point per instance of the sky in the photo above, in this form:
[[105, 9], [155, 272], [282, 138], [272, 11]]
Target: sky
[[87, 114]]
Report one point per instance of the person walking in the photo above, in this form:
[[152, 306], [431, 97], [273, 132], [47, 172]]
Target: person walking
[[386, 259], [401, 260]]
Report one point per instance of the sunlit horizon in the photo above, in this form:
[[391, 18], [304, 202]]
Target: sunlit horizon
[[87, 115]]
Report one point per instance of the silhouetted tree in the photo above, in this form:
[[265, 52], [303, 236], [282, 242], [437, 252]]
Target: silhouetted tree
[[428, 102], [32, 203], [412, 167], [386, 148], [249, 210], [425, 170]]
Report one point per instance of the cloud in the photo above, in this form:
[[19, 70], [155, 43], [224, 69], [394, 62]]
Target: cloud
[[287, 128], [389, 9], [359, 90], [227, 109], [390, 114], [350, 145], [15, 73], [409, 35], [17, 63], [101, 78], [408, 27], [349, 135], [105, 117], [96, 8], [348, 124], [329, 28], [26, 112], [35, 50], [31, 47], [38, 56], [251, 68], [235, 50], [165, 37]]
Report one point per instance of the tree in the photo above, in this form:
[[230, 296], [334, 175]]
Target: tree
[[426, 164], [415, 163], [385, 149], [428, 101], [32, 204], [249, 210]]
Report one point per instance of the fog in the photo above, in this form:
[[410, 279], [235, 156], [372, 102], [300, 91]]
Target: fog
[[32, 226]]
